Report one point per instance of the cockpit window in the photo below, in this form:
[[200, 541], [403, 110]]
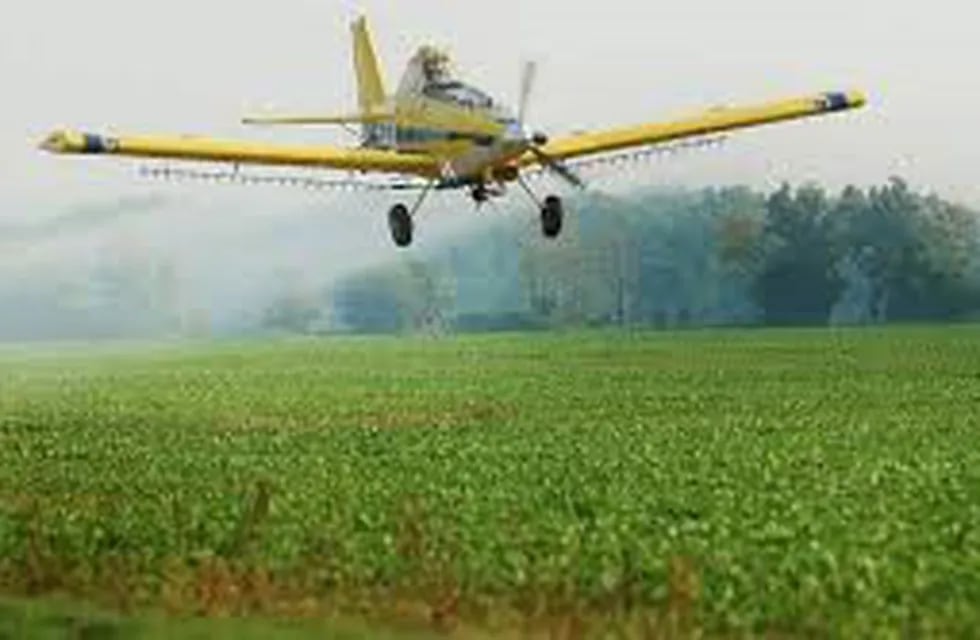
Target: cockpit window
[[458, 93]]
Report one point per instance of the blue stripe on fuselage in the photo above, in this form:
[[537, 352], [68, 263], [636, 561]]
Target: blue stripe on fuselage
[[419, 135]]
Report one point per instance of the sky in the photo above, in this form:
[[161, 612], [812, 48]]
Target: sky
[[197, 66]]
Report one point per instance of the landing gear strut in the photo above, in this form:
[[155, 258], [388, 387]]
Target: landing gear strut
[[401, 219]]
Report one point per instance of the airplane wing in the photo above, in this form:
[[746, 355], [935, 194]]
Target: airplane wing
[[241, 152], [710, 122]]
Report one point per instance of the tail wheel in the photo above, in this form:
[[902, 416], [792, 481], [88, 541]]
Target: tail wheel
[[400, 223], [552, 215]]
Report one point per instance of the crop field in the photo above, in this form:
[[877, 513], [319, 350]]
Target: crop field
[[654, 484]]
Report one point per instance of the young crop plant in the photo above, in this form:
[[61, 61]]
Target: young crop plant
[[681, 484]]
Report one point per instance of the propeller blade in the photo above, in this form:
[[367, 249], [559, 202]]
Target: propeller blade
[[528, 78]]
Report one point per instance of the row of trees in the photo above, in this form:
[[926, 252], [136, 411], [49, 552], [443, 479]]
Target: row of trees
[[725, 256], [884, 254], [710, 257], [118, 296]]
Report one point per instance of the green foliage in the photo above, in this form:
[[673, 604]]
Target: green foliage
[[918, 252], [713, 257], [411, 296], [798, 282], [788, 481], [651, 257], [57, 620]]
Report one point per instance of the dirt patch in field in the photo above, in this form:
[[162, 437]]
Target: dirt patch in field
[[465, 414]]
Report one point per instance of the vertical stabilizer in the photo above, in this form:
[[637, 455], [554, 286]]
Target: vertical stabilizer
[[370, 84]]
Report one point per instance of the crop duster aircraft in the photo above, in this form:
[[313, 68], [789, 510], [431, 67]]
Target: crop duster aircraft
[[437, 131]]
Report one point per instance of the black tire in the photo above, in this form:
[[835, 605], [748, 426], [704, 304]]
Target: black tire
[[552, 216], [400, 223]]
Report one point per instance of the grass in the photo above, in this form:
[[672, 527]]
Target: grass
[[56, 619], [792, 482]]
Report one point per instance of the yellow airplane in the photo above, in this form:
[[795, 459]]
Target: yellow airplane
[[438, 132]]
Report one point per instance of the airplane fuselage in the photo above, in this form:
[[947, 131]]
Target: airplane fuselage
[[475, 137]]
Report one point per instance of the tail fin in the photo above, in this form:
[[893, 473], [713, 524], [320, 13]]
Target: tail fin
[[371, 93]]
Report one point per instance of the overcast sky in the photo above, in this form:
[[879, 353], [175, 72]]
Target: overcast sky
[[196, 66]]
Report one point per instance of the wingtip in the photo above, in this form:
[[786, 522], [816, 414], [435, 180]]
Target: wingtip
[[857, 99], [54, 142]]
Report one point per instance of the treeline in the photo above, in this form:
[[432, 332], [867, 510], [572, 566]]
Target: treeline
[[656, 258], [729, 256]]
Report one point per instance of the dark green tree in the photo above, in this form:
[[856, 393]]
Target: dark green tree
[[799, 281], [673, 258], [918, 253]]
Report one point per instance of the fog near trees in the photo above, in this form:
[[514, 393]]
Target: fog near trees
[[181, 261], [651, 258], [725, 256]]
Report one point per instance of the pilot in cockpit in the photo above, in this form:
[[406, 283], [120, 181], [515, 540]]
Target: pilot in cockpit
[[435, 65], [440, 84]]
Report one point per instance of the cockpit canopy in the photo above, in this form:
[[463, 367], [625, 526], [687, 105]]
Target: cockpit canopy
[[458, 93], [430, 75]]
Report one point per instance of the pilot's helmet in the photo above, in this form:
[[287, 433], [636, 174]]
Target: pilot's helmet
[[435, 62]]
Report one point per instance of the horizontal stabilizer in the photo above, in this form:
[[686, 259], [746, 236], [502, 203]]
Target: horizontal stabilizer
[[418, 115], [314, 120]]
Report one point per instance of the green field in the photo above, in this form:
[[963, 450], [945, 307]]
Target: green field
[[795, 482]]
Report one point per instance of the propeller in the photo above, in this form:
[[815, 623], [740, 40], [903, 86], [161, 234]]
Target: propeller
[[536, 141], [527, 87]]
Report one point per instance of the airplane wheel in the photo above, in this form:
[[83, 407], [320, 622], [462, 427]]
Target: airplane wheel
[[400, 223], [552, 214]]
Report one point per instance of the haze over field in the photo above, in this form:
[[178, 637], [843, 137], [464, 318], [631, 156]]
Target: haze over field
[[187, 67]]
